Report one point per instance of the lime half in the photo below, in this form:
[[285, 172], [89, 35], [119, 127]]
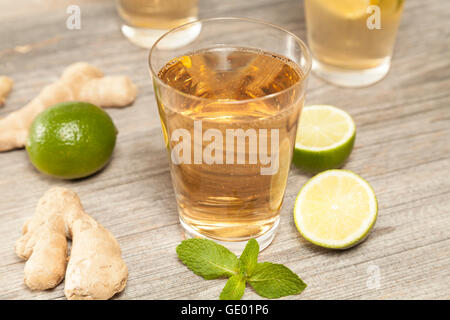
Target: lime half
[[335, 209], [325, 138]]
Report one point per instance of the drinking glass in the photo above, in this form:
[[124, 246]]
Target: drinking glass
[[229, 103], [144, 21], [352, 40]]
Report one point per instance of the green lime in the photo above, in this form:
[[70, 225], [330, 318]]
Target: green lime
[[335, 209], [71, 140], [325, 138]]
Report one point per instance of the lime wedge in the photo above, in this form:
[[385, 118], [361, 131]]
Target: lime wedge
[[335, 209], [325, 138]]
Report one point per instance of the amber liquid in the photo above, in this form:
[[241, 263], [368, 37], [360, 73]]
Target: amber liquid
[[338, 34], [231, 202], [157, 14]]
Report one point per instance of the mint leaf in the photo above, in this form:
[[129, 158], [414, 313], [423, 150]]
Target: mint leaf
[[234, 288], [207, 258], [272, 281], [249, 257], [211, 260]]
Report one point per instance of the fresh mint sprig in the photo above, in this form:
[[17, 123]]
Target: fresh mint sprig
[[211, 260]]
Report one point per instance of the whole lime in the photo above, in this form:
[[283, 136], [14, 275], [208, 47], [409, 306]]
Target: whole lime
[[71, 140]]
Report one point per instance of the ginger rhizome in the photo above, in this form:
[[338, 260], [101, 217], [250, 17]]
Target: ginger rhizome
[[79, 82], [95, 269], [6, 85]]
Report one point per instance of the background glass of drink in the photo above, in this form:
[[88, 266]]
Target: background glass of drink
[[237, 74], [144, 21], [347, 47]]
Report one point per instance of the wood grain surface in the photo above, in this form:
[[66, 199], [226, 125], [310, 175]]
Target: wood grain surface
[[402, 149]]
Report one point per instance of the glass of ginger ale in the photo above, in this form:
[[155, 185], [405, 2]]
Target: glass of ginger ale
[[352, 40], [144, 21], [229, 103]]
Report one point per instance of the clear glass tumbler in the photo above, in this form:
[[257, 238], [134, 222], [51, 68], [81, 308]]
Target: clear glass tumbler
[[144, 21], [352, 40], [229, 103]]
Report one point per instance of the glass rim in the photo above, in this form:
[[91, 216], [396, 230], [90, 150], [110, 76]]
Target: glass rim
[[305, 51]]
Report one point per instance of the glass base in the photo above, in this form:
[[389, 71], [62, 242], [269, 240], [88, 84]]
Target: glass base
[[234, 246], [147, 37], [351, 78]]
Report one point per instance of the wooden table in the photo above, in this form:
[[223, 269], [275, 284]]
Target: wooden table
[[402, 149]]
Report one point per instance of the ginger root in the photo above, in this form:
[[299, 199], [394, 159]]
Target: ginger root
[[79, 81], [6, 85], [95, 270]]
